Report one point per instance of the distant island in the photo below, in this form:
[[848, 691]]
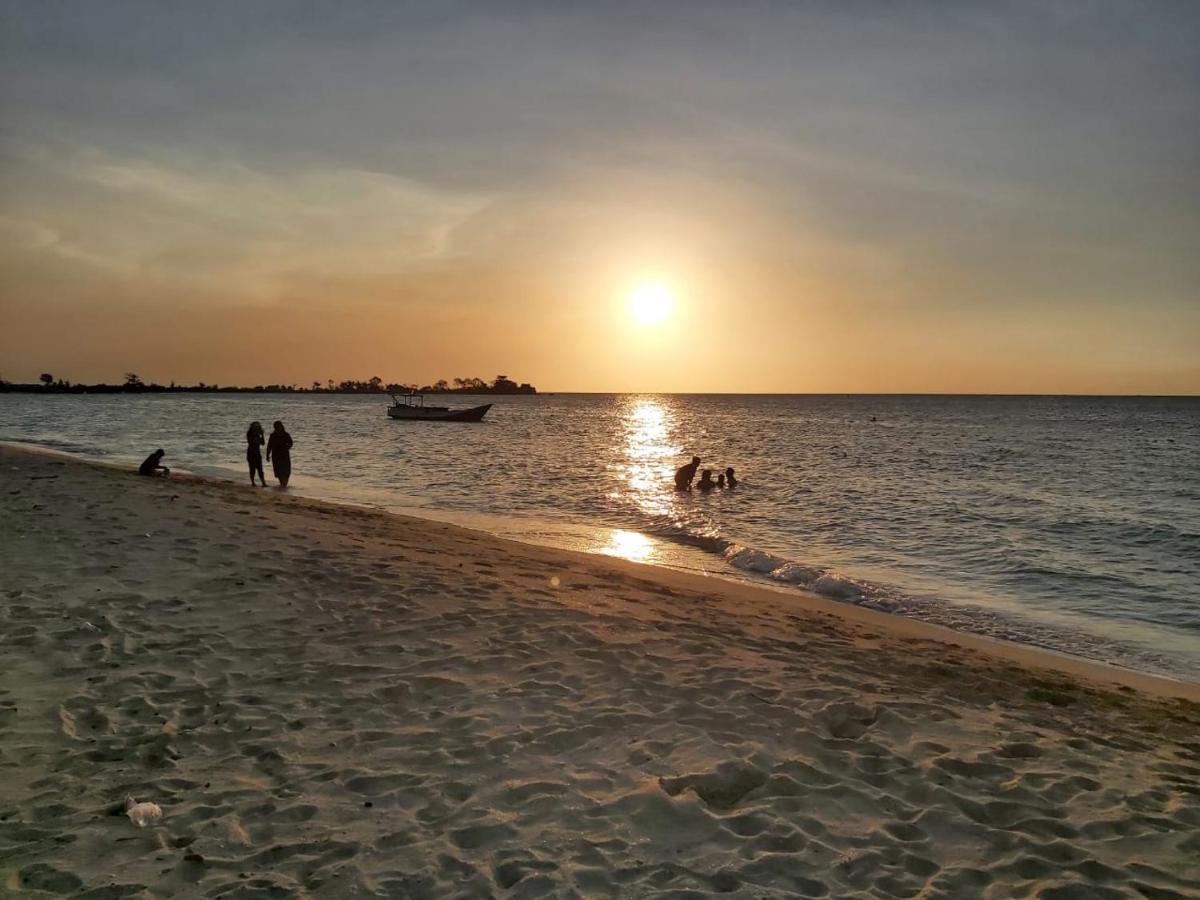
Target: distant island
[[133, 384]]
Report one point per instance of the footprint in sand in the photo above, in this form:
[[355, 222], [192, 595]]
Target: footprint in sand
[[847, 720], [722, 788]]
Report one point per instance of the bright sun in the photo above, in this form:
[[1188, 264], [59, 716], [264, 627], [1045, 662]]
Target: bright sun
[[650, 302]]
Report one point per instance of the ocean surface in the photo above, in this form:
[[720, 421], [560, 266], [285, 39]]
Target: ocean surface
[[1067, 523]]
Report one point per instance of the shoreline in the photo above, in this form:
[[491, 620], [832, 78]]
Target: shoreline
[[950, 548], [752, 593], [328, 701]]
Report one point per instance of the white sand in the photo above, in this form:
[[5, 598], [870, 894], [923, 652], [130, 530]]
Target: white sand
[[340, 703]]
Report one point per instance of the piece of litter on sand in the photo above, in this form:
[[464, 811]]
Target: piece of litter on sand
[[143, 814]]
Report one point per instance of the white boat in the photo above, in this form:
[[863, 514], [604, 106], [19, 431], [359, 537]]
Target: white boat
[[412, 408]]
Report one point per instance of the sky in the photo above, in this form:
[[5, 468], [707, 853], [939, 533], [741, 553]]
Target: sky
[[991, 197]]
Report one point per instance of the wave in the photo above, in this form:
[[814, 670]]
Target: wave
[[821, 581], [61, 446], [965, 617]]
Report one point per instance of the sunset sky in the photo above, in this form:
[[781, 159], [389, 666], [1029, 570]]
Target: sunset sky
[[957, 197]]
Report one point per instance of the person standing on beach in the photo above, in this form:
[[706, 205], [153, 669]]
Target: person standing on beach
[[279, 454], [685, 474], [254, 441]]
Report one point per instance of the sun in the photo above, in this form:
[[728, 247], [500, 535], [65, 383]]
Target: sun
[[650, 302]]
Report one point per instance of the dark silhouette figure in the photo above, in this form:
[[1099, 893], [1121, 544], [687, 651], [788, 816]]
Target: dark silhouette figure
[[706, 482], [729, 479], [685, 474], [254, 442], [721, 480], [279, 454], [153, 466]]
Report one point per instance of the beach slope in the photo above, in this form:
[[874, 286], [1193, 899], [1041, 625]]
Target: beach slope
[[332, 702]]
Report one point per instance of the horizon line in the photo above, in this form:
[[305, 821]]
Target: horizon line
[[34, 388]]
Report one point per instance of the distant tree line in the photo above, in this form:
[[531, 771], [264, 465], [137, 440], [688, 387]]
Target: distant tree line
[[133, 384]]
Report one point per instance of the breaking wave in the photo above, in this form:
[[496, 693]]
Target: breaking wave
[[755, 564]]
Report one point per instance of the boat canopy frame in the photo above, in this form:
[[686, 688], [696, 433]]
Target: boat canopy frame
[[409, 398]]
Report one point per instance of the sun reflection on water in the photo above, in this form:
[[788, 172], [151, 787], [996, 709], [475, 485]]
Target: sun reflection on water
[[631, 545], [643, 469], [646, 468]]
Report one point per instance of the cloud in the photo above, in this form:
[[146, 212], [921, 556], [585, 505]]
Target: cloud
[[976, 162], [223, 221]]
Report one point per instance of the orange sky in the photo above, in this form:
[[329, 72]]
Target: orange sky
[[995, 200]]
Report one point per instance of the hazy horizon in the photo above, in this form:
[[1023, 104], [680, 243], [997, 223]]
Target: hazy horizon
[[296, 387], [988, 198]]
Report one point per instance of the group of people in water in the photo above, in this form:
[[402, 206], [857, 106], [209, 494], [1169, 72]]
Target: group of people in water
[[279, 455], [685, 473]]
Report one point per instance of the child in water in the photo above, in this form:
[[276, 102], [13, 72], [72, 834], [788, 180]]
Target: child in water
[[706, 482]]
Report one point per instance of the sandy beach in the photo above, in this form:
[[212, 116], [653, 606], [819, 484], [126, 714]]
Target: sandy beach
[[336, 702]]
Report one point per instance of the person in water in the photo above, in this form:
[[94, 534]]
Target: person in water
[[706, 482], [721, 480], [729, 479], [279, 454], [254, 442], [684, 474], [153, 466]]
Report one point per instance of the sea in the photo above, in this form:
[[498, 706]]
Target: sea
[[1066, 523]]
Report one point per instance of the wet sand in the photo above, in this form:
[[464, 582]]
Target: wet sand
[[334, 702]]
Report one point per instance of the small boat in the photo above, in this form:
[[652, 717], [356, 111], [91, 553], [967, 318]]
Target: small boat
[[411, 407]]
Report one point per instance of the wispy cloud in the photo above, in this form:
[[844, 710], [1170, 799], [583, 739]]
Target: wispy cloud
[[197, 219]]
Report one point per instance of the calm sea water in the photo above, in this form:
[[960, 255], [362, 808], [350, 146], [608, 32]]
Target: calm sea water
[[1068, 523]]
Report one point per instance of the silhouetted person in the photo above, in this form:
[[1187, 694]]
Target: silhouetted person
[[153, 464], [254, 442], [685, 474], [279, 454], [706, 483], [721, 480], [729, 479]]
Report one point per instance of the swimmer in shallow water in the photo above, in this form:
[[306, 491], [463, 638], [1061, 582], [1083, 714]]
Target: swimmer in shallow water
[[684, 474], [730, 481], [706, 482]]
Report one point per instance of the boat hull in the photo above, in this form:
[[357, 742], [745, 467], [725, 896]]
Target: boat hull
[[437, 414]]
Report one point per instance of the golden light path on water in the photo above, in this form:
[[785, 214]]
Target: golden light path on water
[[645, 472], [631, 545]]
